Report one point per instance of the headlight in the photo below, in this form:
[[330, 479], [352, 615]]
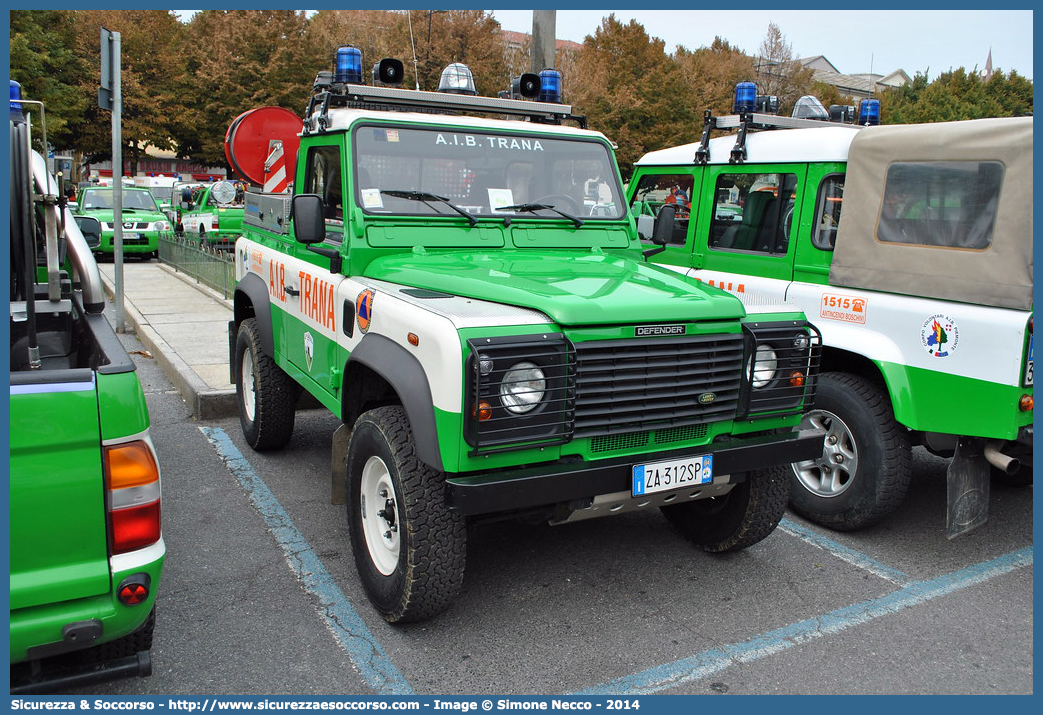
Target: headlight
[[765, 363], [162, 226], [523, 387], [108, 226]]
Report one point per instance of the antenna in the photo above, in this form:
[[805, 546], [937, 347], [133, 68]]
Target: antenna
[[412, 42]]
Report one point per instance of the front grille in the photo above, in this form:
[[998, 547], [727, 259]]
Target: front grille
[[656, 383], [135, 241]]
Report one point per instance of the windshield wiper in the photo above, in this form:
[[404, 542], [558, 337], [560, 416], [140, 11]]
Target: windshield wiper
[[536, 207], [427, 198]]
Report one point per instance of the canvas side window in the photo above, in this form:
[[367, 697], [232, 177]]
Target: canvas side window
[[753, 212], [942, 204], [655, 191], [827, 212], [323, 177]]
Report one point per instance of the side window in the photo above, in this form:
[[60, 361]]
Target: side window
[[945, 204], [655, 191], [753, 212], [827, 212], [323, 177]]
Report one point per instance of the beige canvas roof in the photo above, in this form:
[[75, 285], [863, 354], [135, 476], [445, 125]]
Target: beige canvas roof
[[999, 275]]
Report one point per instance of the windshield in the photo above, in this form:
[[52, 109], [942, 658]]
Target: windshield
[[429, 171], [132, 199]]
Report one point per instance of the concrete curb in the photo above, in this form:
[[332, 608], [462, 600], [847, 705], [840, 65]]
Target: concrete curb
[[205, 402]]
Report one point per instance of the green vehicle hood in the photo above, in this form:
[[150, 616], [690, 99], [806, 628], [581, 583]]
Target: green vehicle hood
[[572, 287], [105, 215]]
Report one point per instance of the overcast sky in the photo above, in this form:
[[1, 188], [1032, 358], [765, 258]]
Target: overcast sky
[[855, 41]]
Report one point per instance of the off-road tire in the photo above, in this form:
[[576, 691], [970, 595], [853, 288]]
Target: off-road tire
[[423, 568], [740, 518], [266, 395], [882, 449]]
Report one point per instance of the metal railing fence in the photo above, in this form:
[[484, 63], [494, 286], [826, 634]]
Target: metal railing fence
[[210, 266]]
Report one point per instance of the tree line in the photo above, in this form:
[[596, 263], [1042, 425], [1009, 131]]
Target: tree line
[[184, 82]]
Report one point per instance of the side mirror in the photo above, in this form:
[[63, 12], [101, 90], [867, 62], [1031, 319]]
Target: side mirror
[[90, 227], [663, 230], [308, 214]]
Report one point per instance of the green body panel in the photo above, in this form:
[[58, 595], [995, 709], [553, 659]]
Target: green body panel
[[122, 402], [572, 287], [925, 400], [58, 525], [41, 625], [810, 263]]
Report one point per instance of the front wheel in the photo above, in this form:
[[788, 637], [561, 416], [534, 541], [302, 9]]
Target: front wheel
[[267, 396], [740, 518], [409, 547], [865, 467]]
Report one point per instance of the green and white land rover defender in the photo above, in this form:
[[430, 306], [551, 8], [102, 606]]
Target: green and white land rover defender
[[86, 545], [921, 286], [469, 296]]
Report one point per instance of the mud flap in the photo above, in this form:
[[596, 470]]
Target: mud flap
[[968, 488]]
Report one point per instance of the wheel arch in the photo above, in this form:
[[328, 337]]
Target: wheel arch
[[400, 378], [251, 301], [894, 382]]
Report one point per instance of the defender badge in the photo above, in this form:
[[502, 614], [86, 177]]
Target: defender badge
[[644, 331]]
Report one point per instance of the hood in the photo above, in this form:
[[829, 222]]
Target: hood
[[572, 287], [105, 215]]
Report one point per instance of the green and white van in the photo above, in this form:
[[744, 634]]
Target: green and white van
[[921, 287], [211, 212]]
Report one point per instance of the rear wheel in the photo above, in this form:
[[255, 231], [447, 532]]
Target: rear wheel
[[267, 396], [409, 548], [865, 467], [740, 518]]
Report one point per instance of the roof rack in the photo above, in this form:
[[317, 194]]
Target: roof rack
[[394, 99], [752, 121]]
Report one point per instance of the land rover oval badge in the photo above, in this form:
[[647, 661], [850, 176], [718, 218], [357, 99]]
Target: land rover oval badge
[[706, 398]]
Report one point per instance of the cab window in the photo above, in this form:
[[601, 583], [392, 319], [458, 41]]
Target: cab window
[[657, 190], [323, 177], [753, 212], [827, 212]]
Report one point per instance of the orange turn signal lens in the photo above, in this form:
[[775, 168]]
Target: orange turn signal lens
[[1025, 403], [796, 379], [483, 411], [130, 465]]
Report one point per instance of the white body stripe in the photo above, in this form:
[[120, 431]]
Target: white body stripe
[[987, 343], [436, 322]]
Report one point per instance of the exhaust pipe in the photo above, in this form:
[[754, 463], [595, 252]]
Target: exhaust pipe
[[1005, 463]]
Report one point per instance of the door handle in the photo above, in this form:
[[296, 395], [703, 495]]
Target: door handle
[[292, 291]]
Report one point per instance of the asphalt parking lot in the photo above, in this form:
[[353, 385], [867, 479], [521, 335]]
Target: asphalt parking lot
[[260, 596]]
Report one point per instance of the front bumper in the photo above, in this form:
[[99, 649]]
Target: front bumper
[[545, 485]]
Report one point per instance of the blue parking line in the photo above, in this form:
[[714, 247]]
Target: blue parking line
[[340, 617], [713, 661], [844, 553]]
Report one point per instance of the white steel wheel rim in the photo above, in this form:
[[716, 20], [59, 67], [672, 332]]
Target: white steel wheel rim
[[248, 385], [380, 516], [833, 473]]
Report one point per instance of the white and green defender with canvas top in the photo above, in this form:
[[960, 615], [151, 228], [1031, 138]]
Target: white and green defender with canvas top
[[921, 287], [470, 297]]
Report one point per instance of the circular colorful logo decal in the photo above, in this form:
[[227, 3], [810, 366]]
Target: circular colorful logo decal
[[940, 335], [364, 309]]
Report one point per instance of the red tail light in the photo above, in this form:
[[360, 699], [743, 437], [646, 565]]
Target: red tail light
[[132, 479], [214, 223]]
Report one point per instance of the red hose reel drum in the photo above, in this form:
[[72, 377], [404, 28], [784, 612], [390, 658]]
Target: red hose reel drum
[[248, 142]]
